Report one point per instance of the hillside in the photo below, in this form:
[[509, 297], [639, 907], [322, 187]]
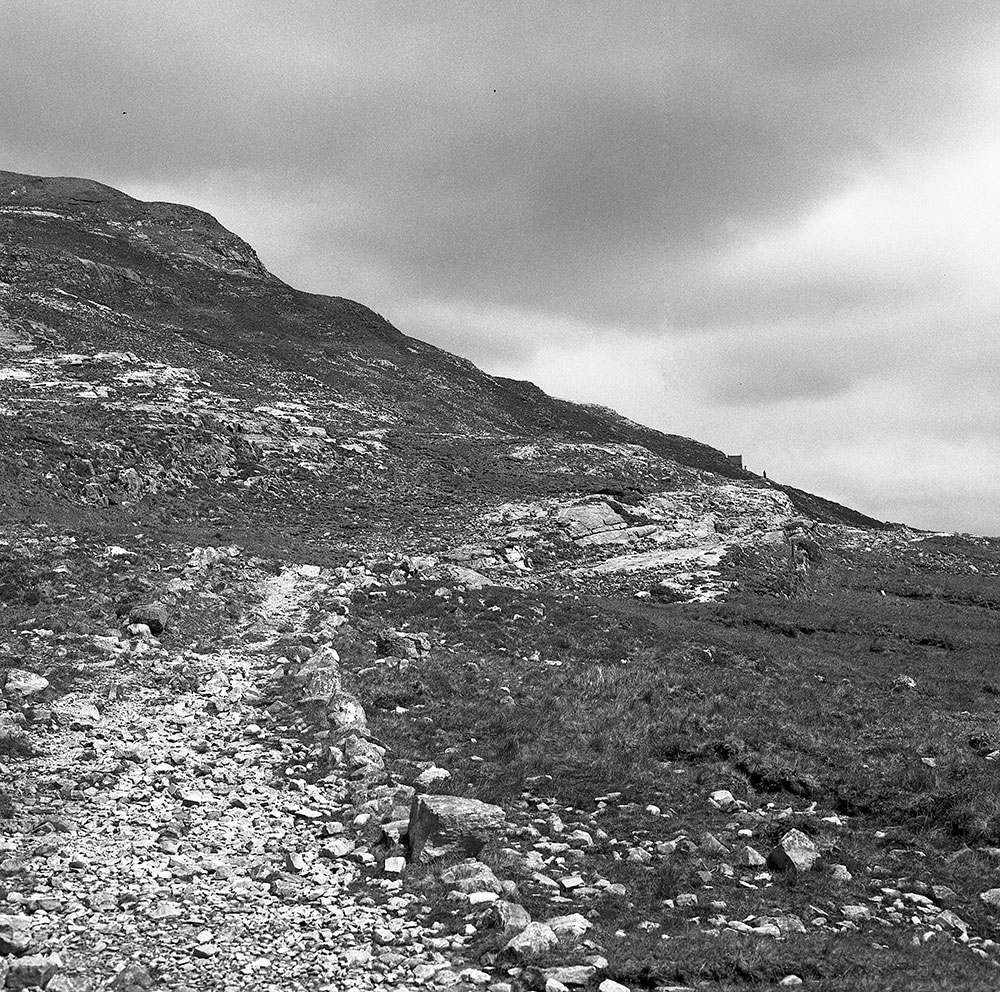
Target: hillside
[[276, 577]]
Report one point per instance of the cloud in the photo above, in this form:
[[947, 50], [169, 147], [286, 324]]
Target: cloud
[[772, 226]]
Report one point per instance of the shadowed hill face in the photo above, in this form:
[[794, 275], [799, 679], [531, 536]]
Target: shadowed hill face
[[145, 338]]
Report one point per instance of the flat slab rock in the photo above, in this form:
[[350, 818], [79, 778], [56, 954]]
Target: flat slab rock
[[446, 825]]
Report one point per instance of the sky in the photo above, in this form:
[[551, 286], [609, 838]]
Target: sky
[[771, 225]]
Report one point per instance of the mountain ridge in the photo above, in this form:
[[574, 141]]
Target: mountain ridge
[[173, 268]]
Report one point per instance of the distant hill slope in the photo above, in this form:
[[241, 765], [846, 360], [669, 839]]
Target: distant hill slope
[[201, 342]]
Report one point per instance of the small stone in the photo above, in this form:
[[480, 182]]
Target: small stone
[[205, 950], [15, 934], [336, 848], [533, 941], [610, 985], [474, 976], [431, 776], [26, 683], [65, 983], [482, 898], [576, 974], [569, 929], [132, 976], [723, 799], [194, 797], [790, 981], [510, 917], [394, 866], [991, 897], [166, 911], [294, 862], [711, 844], [855, 913]]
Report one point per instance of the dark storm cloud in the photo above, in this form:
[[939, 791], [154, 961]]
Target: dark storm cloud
[[739, 221], [617, 140]]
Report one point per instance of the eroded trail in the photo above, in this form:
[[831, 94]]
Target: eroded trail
[[166, 841]]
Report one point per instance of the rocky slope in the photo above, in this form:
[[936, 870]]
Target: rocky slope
[[330, 661]]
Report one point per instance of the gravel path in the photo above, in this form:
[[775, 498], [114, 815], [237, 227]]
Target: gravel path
[[155, 838]]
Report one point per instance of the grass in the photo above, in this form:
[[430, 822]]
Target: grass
[[531, 698]]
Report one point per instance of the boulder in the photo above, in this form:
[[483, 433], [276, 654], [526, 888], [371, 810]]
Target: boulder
[[532, 942], [509, 917], [25, 683], [153, 615], [471, 876], [132, 976], [569, 929], [448, 825], [430, 776], [570, 975], [363, 756], [15, 934], [32, 971], [794, 852], [345, 712]]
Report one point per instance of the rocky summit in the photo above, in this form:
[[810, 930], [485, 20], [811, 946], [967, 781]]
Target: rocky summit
[[331, 662]]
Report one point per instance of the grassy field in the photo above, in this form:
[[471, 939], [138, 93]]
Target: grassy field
[[542, 703]]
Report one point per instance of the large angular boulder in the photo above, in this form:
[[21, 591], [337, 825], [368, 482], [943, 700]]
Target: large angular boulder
[[33, 971], [794, 852], [446, 825]]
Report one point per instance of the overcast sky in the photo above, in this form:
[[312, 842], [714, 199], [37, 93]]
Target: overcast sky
[[772, 226]]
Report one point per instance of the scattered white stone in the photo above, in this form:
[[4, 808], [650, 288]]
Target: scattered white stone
[[610, 985], [395, 866]]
